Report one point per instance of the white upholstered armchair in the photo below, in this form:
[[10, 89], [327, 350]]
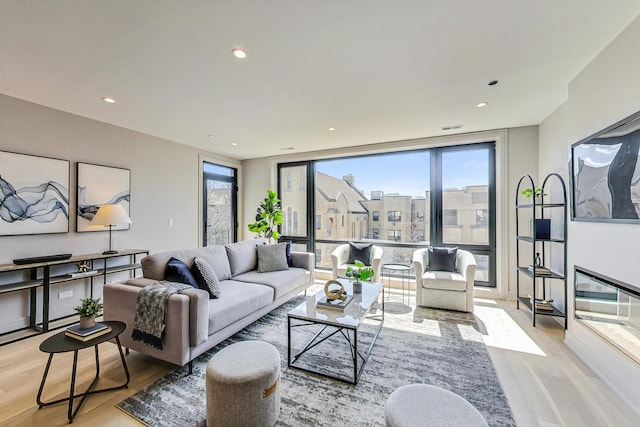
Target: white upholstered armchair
[[449, 290], [340, 257]]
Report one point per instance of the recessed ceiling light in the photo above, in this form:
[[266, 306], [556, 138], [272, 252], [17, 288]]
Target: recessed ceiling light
[[287, 148], [239, 53], [493, 83], [331, 129], [234, 144], [482, 104], [108, 100], [211, 136]]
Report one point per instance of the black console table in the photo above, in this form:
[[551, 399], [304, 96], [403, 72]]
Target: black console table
[[40, 276]]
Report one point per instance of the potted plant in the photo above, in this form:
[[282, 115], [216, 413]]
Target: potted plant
[[88, 310], [359, 274], [268, 217], [530, 192]]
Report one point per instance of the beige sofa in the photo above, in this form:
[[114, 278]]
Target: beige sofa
[[196, 323]]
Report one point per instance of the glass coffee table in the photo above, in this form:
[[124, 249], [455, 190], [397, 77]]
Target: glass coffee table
[[329, 324]]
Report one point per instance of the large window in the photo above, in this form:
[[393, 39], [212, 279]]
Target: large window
[[220, 195], [401, 200]]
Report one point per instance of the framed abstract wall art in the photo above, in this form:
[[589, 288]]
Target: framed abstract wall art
[[97, 186], [34, 196], [605, 174]]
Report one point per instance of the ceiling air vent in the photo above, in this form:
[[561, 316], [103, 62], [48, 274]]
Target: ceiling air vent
[[452, 127]]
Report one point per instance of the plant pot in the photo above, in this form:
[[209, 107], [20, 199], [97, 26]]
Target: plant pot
[[357, 287], [87, 322]]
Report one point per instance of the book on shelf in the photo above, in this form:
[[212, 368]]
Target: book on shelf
[[82, 274], [539, 269], [543, 304], [325, 302], [87, 334]]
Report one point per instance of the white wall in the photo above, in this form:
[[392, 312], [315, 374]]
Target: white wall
[[164, 184], [605, 92], [516, 154]]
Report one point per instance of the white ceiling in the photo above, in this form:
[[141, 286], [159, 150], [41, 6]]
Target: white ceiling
[[376, 70]]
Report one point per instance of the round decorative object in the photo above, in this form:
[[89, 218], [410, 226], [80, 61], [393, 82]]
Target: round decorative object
[[335, 293], [83, 266]]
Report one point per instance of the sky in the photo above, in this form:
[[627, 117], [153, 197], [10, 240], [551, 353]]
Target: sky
[[396, 172]]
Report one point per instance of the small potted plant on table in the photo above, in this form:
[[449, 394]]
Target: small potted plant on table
[[88, 310], [359, 274]]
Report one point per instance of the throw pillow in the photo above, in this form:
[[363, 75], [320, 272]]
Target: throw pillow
[[289, 259], [178, 271], [360, 252], [442, 259], [206, 277], [272, 257]]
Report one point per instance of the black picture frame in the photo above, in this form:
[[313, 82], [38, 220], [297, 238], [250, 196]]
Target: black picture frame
[[99, 185], [605, 174]]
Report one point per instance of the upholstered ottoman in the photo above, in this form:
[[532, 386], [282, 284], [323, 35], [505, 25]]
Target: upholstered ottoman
[[242, 385], [417, 405]]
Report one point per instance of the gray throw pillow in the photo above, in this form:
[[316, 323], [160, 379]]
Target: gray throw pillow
[[360, 252], [442, 259], [272, 257], [206, 277]]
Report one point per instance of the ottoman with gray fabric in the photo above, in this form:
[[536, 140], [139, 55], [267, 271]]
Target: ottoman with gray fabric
[[416, 405], [242, 385]]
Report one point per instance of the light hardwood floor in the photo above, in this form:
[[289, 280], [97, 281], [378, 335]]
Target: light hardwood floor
[[545, 383]]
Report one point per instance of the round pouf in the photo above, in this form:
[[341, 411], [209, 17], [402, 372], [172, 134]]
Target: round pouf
[[417, 405], [242, 385]]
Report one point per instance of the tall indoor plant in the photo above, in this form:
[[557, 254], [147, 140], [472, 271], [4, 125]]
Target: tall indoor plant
[[268, 217]]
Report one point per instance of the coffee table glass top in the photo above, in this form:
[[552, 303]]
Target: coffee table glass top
[[352, 315]]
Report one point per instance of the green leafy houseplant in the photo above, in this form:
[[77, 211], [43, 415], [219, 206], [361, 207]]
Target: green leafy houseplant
[[88, 310], [529, 192], [361, 273], [268, 217]]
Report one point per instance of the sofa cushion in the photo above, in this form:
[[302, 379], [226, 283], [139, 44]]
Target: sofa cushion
[[178, 271], [442, 259], [205, 277], [272, 257], [243, 256], [153, 265], [444, 280], [238, 300], [360, 252], [282, 282]]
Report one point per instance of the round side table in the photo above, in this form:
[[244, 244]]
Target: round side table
[[402, 270], [60, 343]]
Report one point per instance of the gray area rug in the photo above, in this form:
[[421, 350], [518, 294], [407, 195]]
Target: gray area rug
[[415, 346]]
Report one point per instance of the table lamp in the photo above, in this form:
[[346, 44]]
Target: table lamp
[[111, 216]]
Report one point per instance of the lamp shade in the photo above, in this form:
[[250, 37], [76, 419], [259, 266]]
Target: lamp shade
[[111, 215]]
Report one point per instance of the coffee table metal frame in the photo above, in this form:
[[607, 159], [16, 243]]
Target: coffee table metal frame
[[60, 343], [345, 323]]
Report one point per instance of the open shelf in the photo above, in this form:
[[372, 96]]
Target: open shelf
[[555, 312], [525, 271]]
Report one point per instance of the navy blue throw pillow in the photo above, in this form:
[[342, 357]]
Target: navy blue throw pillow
[[442, 259], [178, 271], [289, 259]]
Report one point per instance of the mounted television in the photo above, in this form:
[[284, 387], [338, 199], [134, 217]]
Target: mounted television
[[605, 174]]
